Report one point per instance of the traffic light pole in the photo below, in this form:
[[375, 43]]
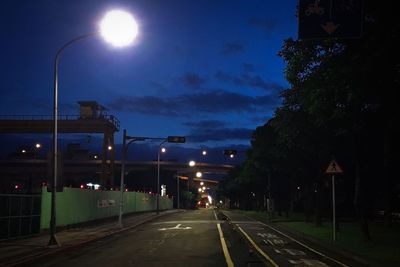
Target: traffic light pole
[[158, 175], [124, 151]]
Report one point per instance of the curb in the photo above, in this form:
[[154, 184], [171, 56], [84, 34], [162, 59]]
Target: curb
[[30, 258]]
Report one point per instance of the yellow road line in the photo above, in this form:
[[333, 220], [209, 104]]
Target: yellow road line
[[258, 248], [228, 258]]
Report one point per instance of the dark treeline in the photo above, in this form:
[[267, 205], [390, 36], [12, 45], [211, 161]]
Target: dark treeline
[[341, 105]]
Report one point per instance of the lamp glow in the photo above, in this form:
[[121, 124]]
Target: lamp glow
[[118, 28]]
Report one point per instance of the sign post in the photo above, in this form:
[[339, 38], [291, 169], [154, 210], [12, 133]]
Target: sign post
[[333, 169], [319, 19]]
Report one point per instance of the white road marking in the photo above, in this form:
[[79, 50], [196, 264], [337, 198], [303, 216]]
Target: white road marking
[[186, 221], [294, 252], [262, 252], [267, 235], [215, 215], [278, 242], [308, 262], [177, 227], [300, 243]]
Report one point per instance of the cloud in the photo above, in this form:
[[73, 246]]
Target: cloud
[[255, 81], [191, 79], [232, 48], [247, 67], [210, 102], [205, 124], [220, 134], [265, 24], [215, 130]]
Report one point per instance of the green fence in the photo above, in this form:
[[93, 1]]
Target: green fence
[[76, 205]]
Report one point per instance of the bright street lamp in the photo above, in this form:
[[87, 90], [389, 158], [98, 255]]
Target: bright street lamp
[[118, 28], [192, 163]]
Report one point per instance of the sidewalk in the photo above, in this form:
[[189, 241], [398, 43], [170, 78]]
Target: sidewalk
[[22, 251]]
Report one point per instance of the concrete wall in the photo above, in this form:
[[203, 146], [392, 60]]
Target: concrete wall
[[76, 205]]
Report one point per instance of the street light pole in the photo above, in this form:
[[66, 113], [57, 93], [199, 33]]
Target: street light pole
[[53, 239], [118, 28], [121, 187]]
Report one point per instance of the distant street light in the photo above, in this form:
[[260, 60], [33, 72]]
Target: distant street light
[[38, 145], [204, 152], [199, 174], [230, 152], [192, 163], [118, 28]]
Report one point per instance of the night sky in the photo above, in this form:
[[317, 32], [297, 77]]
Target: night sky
[[207, 70]]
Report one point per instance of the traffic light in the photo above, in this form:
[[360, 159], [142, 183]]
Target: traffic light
[[176, 139], [230, 152]]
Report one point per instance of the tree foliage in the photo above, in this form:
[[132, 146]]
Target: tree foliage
[[341, 103]]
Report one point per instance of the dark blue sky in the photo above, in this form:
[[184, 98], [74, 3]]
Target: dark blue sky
[[208, 70]]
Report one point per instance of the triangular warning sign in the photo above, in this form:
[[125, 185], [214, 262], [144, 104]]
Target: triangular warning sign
[[333, 168]]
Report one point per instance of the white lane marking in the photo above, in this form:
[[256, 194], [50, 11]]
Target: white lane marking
[[177, 227], [228, 258], [215, 215], [298, 242], [307, 262], [246, 222]]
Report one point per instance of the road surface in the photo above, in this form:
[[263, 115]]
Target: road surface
[[194, 238]]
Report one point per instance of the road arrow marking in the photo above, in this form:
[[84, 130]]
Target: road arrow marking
[[177, 227]]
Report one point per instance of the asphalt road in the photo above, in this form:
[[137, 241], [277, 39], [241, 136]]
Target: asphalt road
[[196, 238], [189, 238]]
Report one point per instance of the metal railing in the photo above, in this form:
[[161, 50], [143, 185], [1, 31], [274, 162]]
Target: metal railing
[[19, 215]]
